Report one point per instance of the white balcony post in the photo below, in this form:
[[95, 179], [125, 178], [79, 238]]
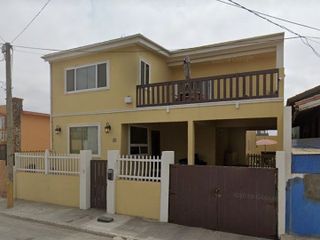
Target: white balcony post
[[85, 158], [46, 162], [167, 158], [281, 166], [113, 156]]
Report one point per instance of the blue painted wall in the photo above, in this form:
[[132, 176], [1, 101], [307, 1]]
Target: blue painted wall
[[306, 163], [302, 214]]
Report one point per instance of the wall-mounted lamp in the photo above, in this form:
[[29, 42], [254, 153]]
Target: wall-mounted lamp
[[57, 130], [107, 128]]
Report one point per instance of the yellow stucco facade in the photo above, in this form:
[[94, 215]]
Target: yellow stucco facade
[[213, 131], [138, 198], [55, 189], [107, 105]]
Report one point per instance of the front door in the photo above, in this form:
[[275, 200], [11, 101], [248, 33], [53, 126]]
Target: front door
[[98, 184]]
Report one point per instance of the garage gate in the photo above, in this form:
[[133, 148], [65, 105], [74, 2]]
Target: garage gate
[[230, 199]]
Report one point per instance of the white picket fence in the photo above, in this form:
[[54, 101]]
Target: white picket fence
[[139, 168], [47, 163]]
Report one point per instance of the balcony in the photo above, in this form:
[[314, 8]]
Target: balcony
[[3, 136], [238, 86]]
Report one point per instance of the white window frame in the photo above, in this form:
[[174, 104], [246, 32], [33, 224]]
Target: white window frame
[[139, 77], [86, 125], [107, 62], [148, 144]]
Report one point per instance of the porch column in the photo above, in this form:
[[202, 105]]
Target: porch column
[[191, 143], [287, 138]]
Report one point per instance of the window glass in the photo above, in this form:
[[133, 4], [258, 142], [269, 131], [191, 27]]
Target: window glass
[[84, 138], [70, 80], [144, 73], [139, 135], [86, 78], [102, 75], [138, 140]]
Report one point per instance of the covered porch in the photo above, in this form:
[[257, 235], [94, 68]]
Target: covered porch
[[213, 142]]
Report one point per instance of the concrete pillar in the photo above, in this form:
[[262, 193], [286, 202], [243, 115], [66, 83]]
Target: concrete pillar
[[167, 158], [280, 132], [287, 138], [191, 143], [85, 158], [281, 166], [112, 158]]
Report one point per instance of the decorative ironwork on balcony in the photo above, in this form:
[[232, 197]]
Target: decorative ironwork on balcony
[[238, 86]]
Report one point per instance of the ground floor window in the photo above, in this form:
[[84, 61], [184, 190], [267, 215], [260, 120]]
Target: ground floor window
[[84, 138], [138, 140]]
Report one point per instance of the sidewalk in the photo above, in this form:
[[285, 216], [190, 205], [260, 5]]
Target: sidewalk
[[122, 226]]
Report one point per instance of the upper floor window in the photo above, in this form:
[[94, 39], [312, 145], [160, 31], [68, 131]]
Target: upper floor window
[[144, 73], [87, 77]]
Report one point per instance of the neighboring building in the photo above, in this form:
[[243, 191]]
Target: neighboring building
[[306, 118], [130, 94], [251, 142], [302, 188], [32, 130]]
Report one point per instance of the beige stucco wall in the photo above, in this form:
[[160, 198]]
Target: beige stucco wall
[[35, 132], [99, 107], [55, 189], [137, 198], [205, 142], [123, 77], [230, 65], [161, 115]]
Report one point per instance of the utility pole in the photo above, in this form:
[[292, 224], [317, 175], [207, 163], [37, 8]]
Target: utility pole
[[6, 50]]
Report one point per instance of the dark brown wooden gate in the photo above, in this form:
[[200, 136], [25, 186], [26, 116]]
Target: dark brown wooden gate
[[231, 199], [99, 184]]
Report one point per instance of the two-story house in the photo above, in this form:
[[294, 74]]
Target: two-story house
[[131, 94]]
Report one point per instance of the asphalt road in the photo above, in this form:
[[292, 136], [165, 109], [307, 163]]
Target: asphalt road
[[16, 229]]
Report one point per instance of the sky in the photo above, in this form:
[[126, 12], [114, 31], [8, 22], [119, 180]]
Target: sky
[[174, 24]]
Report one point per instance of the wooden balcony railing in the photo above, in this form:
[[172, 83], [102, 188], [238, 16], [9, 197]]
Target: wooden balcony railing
[[3, 135], [239, 86]]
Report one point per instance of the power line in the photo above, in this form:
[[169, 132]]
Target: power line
[[303, 39], [31, 21], [274, 17]]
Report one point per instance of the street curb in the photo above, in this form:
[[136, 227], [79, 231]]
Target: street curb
[[69, 227]]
